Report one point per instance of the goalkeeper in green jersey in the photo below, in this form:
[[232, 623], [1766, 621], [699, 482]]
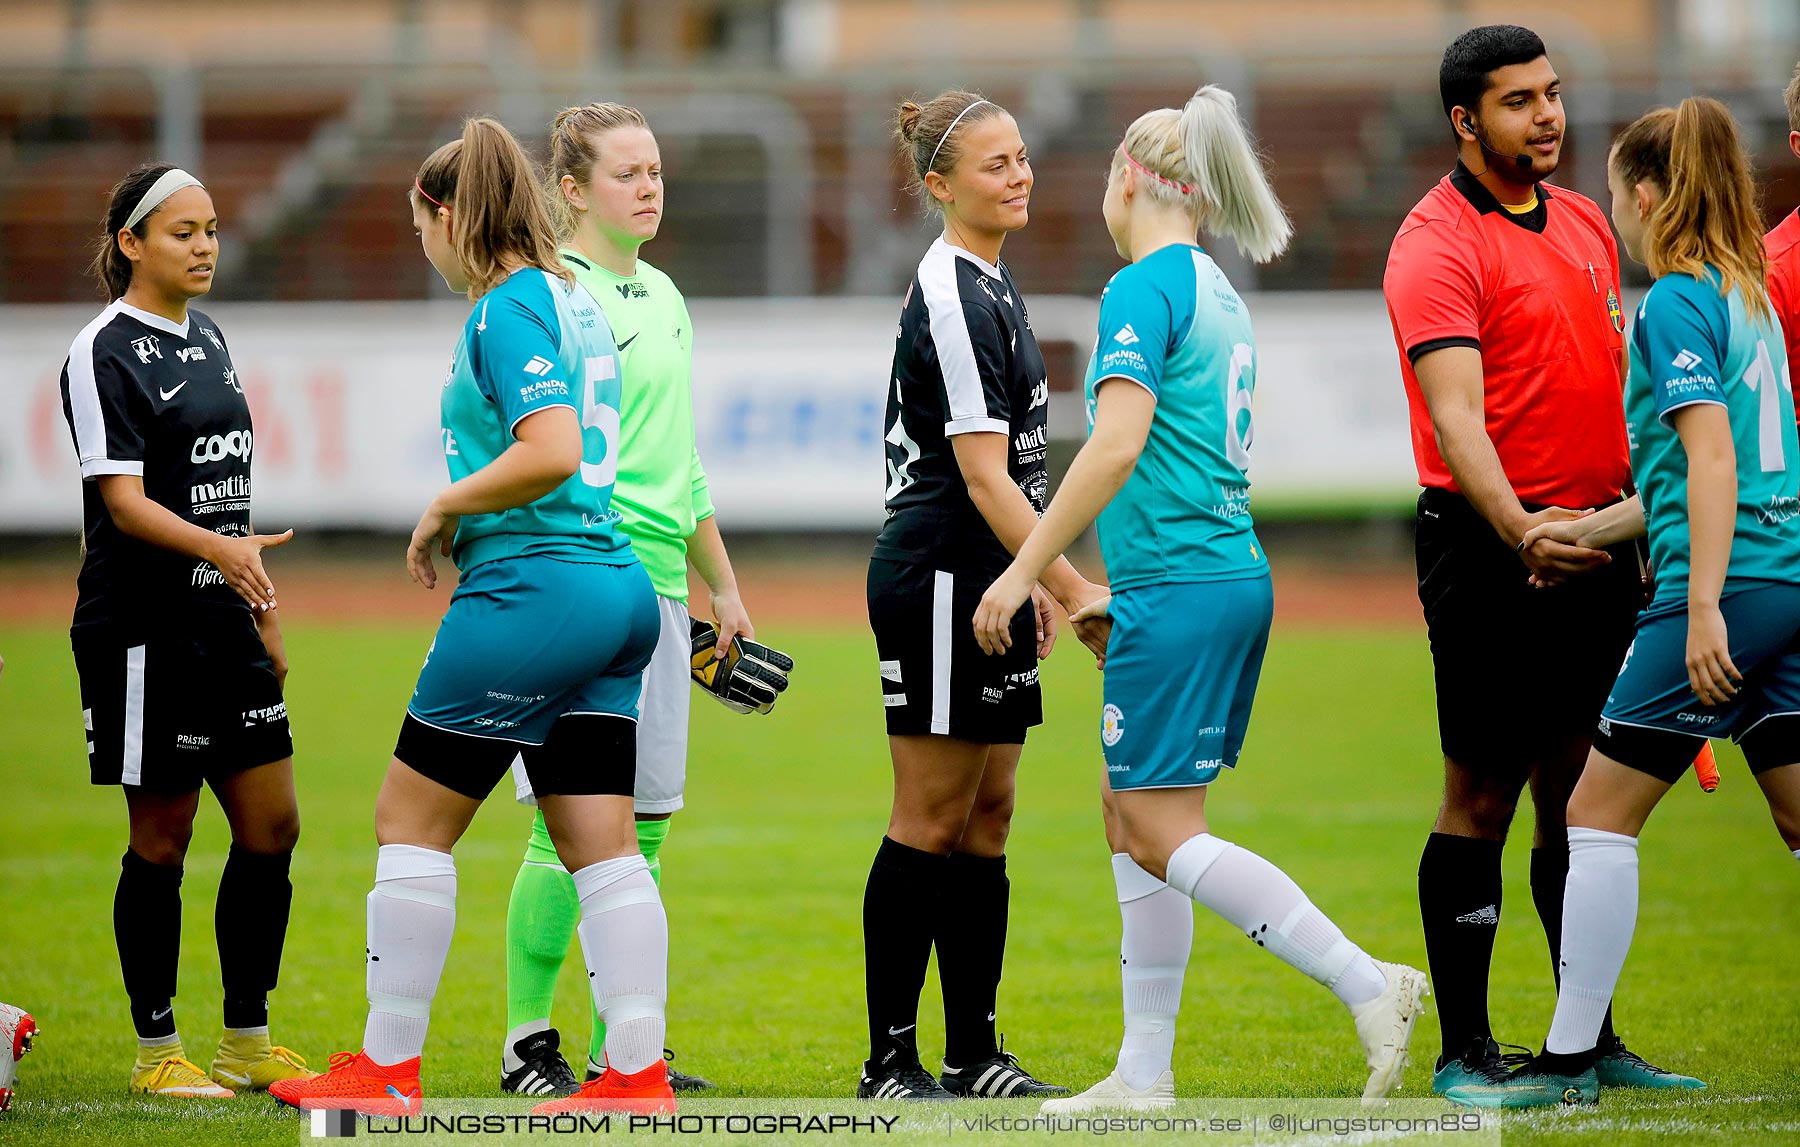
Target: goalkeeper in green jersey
[[607, 181]]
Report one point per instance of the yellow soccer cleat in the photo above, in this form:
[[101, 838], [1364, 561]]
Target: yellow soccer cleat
[[250, 1063], [174, 1075]]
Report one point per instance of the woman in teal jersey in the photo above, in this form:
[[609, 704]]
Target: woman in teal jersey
[[1169, 401], [541, 652], [1709, 404], [607, 189]]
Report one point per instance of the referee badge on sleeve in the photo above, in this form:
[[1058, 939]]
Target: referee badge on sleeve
[[1614, 310]]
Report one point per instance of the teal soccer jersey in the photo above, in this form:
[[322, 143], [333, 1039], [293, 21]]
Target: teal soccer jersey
[[532, 343], [1693, 345], [1172, 323]]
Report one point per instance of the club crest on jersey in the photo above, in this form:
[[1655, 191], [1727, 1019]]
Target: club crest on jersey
[[1112, 725], [1614, 310], [147, 348]]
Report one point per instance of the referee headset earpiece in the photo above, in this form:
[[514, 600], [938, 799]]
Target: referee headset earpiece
[[1522, 160]]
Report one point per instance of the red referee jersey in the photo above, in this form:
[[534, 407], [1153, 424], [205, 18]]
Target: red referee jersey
[[1538, 294], [1783, 248]]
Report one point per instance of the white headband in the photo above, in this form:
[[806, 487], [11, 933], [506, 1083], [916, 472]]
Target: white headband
[[167, 184], [951, 128]]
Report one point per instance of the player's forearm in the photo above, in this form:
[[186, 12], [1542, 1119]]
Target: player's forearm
[[1099, 471], [1712, 517], [706, 553], [138, 517], [1620, 522], [524, 472]]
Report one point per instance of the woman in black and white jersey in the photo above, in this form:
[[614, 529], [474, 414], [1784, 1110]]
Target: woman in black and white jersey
[[175, 637], [966, 447]]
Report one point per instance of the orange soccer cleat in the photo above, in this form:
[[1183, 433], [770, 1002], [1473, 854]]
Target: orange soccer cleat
[[645, 1093], [356, 1083]]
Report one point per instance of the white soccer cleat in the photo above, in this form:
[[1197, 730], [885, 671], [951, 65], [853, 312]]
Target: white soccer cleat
[[1385, 1026], [17, 1029], [1112, 1094]]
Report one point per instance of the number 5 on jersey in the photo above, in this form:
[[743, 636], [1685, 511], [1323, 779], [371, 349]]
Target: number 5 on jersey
[[599, 414]]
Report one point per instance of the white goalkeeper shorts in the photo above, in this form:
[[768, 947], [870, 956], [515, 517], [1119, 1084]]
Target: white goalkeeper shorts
[[662, 732]]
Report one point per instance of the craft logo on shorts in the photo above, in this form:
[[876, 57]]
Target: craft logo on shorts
[[1614, 310], [1112, 725], [147, 348]]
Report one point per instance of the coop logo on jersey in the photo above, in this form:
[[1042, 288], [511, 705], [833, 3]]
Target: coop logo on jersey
[[147, 348], [221, 446], [1112, 725], [1613, 310], [1686, 360], [539, 365], [1126, 335]]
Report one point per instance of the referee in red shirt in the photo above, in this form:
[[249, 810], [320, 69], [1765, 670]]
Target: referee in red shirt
[[1783, 244], [1504, 297]]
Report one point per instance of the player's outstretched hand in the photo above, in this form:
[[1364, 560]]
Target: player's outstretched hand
[[1044, 606], [1551, 546], [1093, 625], [434, 526], [993, 617], [239, 562], [1711, 675]]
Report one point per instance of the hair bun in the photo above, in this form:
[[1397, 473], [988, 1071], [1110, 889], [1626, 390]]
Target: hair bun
[[908, 121]]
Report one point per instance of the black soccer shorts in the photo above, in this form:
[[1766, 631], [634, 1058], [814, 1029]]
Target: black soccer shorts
[[185, 705], [934, 676]]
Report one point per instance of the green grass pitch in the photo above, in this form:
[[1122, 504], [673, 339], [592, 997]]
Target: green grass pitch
[[763, 880]]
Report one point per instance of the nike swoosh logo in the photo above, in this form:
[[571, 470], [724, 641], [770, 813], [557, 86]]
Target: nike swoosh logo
[[897, 1031], [233, 1076], [168, 394], [629, 341], [171, 1007]]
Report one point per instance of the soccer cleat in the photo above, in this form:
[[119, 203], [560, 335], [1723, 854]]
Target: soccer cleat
[[1385, 1027], [906, 1080], [356, 1083], [544, 1070], [1532, 1085], [646, 1092], [251, 1063], [17, 1030], [1480, 1062], [1615, 1066], [997, 1077], [679, 1080], [176, 1076], [1113, 1094]]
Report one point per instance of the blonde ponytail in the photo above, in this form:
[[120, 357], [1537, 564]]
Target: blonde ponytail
[[1229, 178]]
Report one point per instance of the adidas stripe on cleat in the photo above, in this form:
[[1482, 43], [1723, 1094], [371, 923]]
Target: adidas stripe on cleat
[[998, 1077], [907, 1081], [356, 1083], [17, 1030], [543, 1070]]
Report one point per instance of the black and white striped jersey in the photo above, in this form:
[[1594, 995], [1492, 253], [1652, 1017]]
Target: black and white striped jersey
[[161, 400], [966, 362]]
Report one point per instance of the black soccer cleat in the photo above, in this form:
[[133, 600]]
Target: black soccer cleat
[[997, 1077], [905, 1080], [678, 1080], [545, 1072]]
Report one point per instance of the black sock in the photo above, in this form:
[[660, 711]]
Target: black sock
[[1549, 876], [971, 947], [147, 927], [250, 923], [1459, 902], [899, 911]]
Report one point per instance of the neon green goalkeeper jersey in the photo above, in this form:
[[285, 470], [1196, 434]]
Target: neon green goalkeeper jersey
[[661, 492]]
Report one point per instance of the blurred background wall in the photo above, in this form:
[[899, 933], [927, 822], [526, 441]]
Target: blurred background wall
[[785, 216]]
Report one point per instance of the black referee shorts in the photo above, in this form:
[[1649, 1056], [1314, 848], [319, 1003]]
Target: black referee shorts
[[934, 676], [185, 705], [1515, 666]]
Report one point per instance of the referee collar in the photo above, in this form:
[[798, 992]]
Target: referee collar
[[1483, 200]]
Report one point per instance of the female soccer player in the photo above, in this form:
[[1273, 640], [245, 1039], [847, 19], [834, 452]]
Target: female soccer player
[[607, 180], [175, 634], [1169, 398], [966, 443], [541, 652], [1710, 404]]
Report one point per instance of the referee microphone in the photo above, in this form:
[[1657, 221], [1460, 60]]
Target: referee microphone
[[1521, 159]]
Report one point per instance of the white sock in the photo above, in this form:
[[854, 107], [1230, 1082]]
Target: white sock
[[509, 1061], [1599, 915], [1157, 936], [625, 939], [1271, 909], [412, 912]]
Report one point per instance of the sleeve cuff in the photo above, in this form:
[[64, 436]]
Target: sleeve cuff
[[976, 425], [94, 467], [1419, 350], [512, 431], [1103, 379], [1666, 417]]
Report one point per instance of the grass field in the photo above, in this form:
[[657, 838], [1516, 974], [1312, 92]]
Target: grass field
[[763, 880]]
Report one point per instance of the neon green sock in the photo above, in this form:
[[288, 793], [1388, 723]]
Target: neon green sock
[[540, 922], [651, 834]]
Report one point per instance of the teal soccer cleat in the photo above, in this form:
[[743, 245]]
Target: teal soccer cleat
[[1617, 1066], [1535, 1084], [1479, 1063]]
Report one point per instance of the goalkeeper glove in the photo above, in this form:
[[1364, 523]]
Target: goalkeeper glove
[[748, 679]]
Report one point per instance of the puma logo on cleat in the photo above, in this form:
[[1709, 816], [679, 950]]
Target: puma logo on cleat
[[1488, 915]]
